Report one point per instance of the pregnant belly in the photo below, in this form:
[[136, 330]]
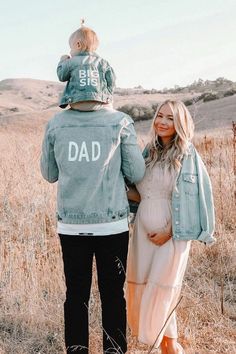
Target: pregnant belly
[[154, 215]]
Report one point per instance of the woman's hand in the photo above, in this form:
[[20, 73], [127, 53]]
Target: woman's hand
[[162, 236]]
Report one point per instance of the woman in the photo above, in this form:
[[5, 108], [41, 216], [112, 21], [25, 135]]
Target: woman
[[176, 207]]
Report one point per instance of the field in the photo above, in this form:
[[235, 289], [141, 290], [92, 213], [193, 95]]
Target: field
[[32, 287]]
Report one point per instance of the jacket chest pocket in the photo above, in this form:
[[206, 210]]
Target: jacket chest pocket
[[190, 183]]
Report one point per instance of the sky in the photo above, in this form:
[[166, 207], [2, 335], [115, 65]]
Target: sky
[[152, 43]]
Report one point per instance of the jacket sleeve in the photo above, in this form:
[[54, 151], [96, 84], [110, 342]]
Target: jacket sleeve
[[48, 164], [207, 214], [110, 78], [64, 70], [132, 204], [132, 161]]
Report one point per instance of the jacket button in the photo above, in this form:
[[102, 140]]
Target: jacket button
[[177, 236], [176, 209], [177, 195], [177, 222]]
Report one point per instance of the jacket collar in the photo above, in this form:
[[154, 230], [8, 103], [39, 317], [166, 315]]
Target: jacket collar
[[86, 53]]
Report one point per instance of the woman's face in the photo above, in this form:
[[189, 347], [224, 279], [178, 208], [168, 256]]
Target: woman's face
[[164, 124]]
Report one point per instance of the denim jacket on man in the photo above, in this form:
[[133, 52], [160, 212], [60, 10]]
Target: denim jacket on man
[[89, 153], [89, 78], [193, 216]]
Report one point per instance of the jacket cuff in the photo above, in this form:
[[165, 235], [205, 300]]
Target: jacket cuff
[[206, 238]]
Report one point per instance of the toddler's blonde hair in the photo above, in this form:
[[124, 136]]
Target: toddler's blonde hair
[[87, 39]]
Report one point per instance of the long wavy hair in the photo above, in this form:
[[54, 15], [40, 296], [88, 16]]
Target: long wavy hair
[[171, 154]]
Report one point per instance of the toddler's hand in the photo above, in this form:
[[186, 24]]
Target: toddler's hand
[[64, 57]]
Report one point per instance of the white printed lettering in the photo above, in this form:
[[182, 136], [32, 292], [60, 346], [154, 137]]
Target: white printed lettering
[[82, 82], [94, 82], [71, 157], [96, 144], [95, 73], [83, 152], [82, 73], [76, 153], [88, 77]]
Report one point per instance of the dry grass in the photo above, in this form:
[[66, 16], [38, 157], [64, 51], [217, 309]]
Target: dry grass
[[31, 278]]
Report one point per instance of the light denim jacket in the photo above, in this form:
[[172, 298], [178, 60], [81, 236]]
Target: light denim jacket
[[193, 216], [89, 153], [89, 78]]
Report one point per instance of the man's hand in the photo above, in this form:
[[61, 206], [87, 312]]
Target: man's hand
[[161, 236]]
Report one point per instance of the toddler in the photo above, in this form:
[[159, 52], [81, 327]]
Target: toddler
[[90, 78]]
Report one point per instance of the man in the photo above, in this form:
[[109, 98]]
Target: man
[[89, 154]]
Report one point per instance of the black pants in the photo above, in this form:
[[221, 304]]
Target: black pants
[[110, 254]]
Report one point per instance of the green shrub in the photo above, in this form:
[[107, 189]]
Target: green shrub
[[189, 102], [210, 97], [193, 100], [230, 92], [139, 112]]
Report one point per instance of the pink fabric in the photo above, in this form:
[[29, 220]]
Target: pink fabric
[[154, 273]]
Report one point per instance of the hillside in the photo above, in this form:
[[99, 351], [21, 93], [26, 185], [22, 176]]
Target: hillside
[[208, 116], [27, 95], [30, 101]]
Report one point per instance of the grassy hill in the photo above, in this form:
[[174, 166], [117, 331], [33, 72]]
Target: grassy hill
[[30, 102]]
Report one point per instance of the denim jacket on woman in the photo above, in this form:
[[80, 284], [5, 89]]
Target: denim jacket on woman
[[89, 153], [89, 78], [193, 215]]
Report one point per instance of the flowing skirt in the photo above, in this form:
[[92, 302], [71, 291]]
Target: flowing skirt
[[154, 275]]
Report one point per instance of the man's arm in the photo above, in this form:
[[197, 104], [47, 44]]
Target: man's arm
[[48, 164], [132, 161]]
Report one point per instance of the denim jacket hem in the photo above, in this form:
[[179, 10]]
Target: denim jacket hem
[[92, 218], [86, 96]]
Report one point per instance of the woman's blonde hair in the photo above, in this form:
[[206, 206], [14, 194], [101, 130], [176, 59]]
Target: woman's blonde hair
[[87, 39], [171, 155]]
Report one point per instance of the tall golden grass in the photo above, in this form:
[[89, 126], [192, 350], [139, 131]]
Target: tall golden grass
[[32, 287]]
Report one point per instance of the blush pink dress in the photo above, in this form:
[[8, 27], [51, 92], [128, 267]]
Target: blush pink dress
[[154, 273]]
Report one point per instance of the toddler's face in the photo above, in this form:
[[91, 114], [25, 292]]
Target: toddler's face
[[74, 47]]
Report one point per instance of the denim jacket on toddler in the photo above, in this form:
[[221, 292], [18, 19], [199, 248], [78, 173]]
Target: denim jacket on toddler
[[193, 216], [89, 78], [89, 153]]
